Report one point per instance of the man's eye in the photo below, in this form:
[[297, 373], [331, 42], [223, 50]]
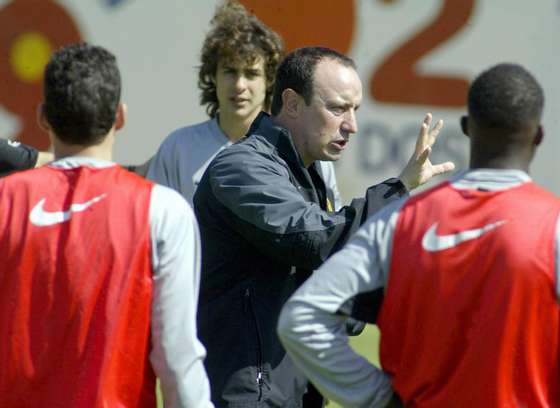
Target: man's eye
[[252, 74], [337, 110]]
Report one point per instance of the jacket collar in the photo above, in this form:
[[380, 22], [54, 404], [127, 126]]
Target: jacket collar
[[264, 126]]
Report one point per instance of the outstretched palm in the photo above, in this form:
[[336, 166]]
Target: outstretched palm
[[419, 168]]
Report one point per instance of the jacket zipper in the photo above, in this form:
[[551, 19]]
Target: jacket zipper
[[259, 379]]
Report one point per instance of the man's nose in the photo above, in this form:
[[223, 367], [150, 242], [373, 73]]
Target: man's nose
[[350, 123], [240, 82]]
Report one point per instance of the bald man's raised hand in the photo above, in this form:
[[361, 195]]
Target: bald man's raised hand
[[419, 168]]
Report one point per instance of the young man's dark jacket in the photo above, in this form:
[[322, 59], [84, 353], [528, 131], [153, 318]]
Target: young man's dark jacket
[[16, 156], [265, 227]]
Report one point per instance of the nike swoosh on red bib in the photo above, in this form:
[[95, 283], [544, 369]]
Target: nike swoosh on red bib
[[41, 218], [433, 242]]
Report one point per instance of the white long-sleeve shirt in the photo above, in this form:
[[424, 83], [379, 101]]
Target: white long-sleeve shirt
[[177, 355]]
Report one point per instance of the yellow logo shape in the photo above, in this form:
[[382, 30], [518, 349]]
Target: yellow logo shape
[[29, 55], [330, 207]]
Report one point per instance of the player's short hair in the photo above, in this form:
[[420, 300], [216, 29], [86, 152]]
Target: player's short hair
[[505, 96], [241, 39], [297, 69], [82, 88]]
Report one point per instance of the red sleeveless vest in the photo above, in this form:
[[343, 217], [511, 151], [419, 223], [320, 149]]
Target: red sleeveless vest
[[470, 316], [75, 289]]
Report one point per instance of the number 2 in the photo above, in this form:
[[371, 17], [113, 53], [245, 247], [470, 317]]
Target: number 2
[[397, 80]]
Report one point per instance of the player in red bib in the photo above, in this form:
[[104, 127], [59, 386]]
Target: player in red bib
[[100, 268], [469, 271]]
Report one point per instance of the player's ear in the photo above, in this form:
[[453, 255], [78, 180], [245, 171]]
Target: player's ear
[[41, 119], [291, 102], [539, 136], [120, 120], [465, 125]]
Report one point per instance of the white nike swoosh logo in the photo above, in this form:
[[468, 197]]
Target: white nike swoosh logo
[[42, 218], [433, 242]]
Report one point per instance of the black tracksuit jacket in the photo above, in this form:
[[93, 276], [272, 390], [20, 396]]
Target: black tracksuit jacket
[[264, 229]]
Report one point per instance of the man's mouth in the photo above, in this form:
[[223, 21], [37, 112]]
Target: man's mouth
[[238, 99], [340, 144]]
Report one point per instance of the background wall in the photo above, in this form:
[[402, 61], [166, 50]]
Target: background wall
[[413, 57]]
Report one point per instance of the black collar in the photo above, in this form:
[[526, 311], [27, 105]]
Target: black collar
[[280, 137]]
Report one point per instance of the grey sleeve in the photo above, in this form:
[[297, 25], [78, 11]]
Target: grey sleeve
[[312, 325], [177, 355], [163, 167]]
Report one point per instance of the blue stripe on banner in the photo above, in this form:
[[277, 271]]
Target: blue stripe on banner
[[112, 3]]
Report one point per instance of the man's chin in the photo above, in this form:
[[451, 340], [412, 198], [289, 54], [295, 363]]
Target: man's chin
[[245, 112], [332, 156]]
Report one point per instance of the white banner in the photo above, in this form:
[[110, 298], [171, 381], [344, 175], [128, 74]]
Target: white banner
[[413, 57]]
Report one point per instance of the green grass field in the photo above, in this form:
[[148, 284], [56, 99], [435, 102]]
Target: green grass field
[[367, 344]]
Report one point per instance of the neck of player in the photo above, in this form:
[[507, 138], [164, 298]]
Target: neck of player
[[235, 127], [102, 150]]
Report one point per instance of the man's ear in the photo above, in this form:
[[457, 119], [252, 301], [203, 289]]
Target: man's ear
[[465, 125], [41, 119], [291, 102], [539, 136], [120, 120]]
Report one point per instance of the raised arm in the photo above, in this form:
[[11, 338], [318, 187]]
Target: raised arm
[[260, 202]]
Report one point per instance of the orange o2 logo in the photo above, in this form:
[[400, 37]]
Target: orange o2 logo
[[396, 79], [31, 31]]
